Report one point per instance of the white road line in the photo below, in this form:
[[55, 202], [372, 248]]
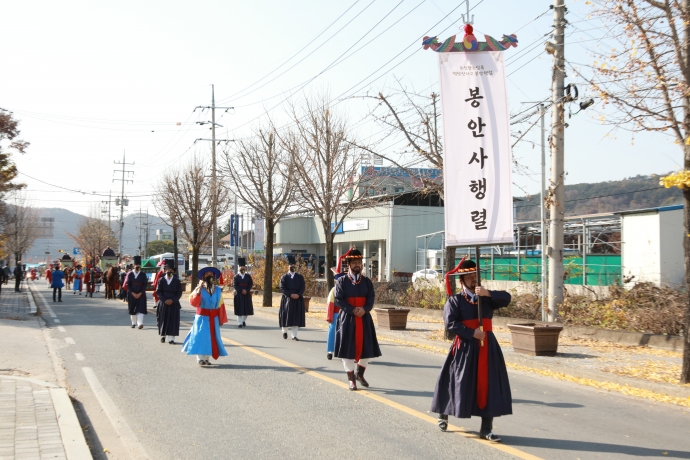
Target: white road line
[[62, 329], [47, 305], [79, 357], [127, 436], [70, 340]]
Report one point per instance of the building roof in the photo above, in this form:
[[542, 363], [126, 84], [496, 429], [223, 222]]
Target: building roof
[[648, 210]]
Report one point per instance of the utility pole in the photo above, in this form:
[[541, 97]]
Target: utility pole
[[146, 235], [557, 186], [214, 233], [542, 208], [122, 201], [140, 219]]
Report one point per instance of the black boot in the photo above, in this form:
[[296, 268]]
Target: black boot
[[485, 431], [360, 376], [443, 422], [351, 379]]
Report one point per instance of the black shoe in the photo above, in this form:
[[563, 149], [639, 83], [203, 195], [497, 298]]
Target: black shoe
[[207, 363], [360, 376], [201, 363], [442, 422], [141, 326], [490, 437], [329, 356], [295, 339], [239, 325], [60, 300], [285, 335], [133, 326], [244, 324], [172, 342], [162, 339], [351, 380]]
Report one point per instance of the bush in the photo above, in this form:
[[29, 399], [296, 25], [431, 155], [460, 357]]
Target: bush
[[644, 308], [280, 267]]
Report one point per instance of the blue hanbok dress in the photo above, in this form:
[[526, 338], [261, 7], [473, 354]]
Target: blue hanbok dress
[[198, 340], [77, 280]]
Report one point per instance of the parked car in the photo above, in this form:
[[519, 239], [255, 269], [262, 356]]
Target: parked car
[[428, 273]]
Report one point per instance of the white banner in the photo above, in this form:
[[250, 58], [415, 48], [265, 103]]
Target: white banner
[[476, 144]]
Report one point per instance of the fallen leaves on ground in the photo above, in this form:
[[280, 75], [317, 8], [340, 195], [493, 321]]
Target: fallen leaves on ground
[[655, 371], [610, 386]]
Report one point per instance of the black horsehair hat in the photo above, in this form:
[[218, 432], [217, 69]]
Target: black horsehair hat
[[169, 263], [241, 261], [291, 259], [137, 260]]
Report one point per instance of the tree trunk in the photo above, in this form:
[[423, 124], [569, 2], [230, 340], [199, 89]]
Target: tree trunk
[[195, 259], [329, 259], [175, 251], [685, 373], [268, 266]]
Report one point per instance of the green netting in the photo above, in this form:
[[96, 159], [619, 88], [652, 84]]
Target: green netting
[[601, 270]]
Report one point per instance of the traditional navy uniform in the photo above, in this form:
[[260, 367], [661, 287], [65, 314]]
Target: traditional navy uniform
[[242, 303]]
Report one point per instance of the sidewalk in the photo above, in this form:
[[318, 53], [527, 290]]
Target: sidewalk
[[37, 418], [633, 370]]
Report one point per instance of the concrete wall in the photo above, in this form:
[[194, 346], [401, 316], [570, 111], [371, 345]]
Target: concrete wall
[[641, 255], [672, 263], [408, 223]]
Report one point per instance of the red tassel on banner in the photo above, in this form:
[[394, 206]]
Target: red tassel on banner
[[448, 290]]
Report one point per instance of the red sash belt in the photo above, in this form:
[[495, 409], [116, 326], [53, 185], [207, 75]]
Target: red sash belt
[[211, 313], [359, 328], [482, 363]]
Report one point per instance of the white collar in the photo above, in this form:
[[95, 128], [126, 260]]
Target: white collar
[[242, 274], [292, 274], [355, 276], [169, 280], [136, 273]]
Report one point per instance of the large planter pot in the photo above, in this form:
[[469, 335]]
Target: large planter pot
[[306, 302], [535, 339], [392, 318]]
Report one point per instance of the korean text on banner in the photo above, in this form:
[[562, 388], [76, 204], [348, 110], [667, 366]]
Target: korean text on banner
[[477, 157]]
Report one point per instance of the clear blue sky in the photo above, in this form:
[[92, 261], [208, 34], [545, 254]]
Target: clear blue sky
[[89, 80]]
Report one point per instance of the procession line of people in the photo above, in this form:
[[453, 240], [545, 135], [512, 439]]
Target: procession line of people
[[472, 382]]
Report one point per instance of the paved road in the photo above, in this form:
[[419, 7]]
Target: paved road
[[275, 398]]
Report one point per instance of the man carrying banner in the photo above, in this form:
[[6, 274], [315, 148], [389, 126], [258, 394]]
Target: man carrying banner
[[474, 379], [292, 313], [136, 282], [355, 338], [242, 302]]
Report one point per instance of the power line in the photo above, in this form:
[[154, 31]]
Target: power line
[[600, 196]]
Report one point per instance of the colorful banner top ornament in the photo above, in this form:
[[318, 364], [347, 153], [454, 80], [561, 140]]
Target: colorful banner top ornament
[[469, 43]]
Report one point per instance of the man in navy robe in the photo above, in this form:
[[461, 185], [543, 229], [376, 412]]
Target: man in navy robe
[[292, 314], [169, 292], [243, 294], [474, 379], [355, 338], [136, 294]]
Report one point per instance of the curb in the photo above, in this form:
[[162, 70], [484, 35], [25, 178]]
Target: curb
[[71, 433], [32, 303]]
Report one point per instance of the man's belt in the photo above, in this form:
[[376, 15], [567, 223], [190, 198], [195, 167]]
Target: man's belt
[[358, 302], [211, 313], [482, 362]]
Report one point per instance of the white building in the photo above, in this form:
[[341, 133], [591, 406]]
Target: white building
[[385, 233], [653, 246]]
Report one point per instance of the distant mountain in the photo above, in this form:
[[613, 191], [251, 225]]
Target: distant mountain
[[637, 192], [67, 221]]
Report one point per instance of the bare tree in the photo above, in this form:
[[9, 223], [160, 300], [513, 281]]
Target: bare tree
[[184, 196], [93, 235], [413, 120], [325, 157], [258, 168], [646, 78], [20, 226]]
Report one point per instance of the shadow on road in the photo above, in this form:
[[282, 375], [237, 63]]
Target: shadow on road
[[389, 364], [585, 446], [542, 403]]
